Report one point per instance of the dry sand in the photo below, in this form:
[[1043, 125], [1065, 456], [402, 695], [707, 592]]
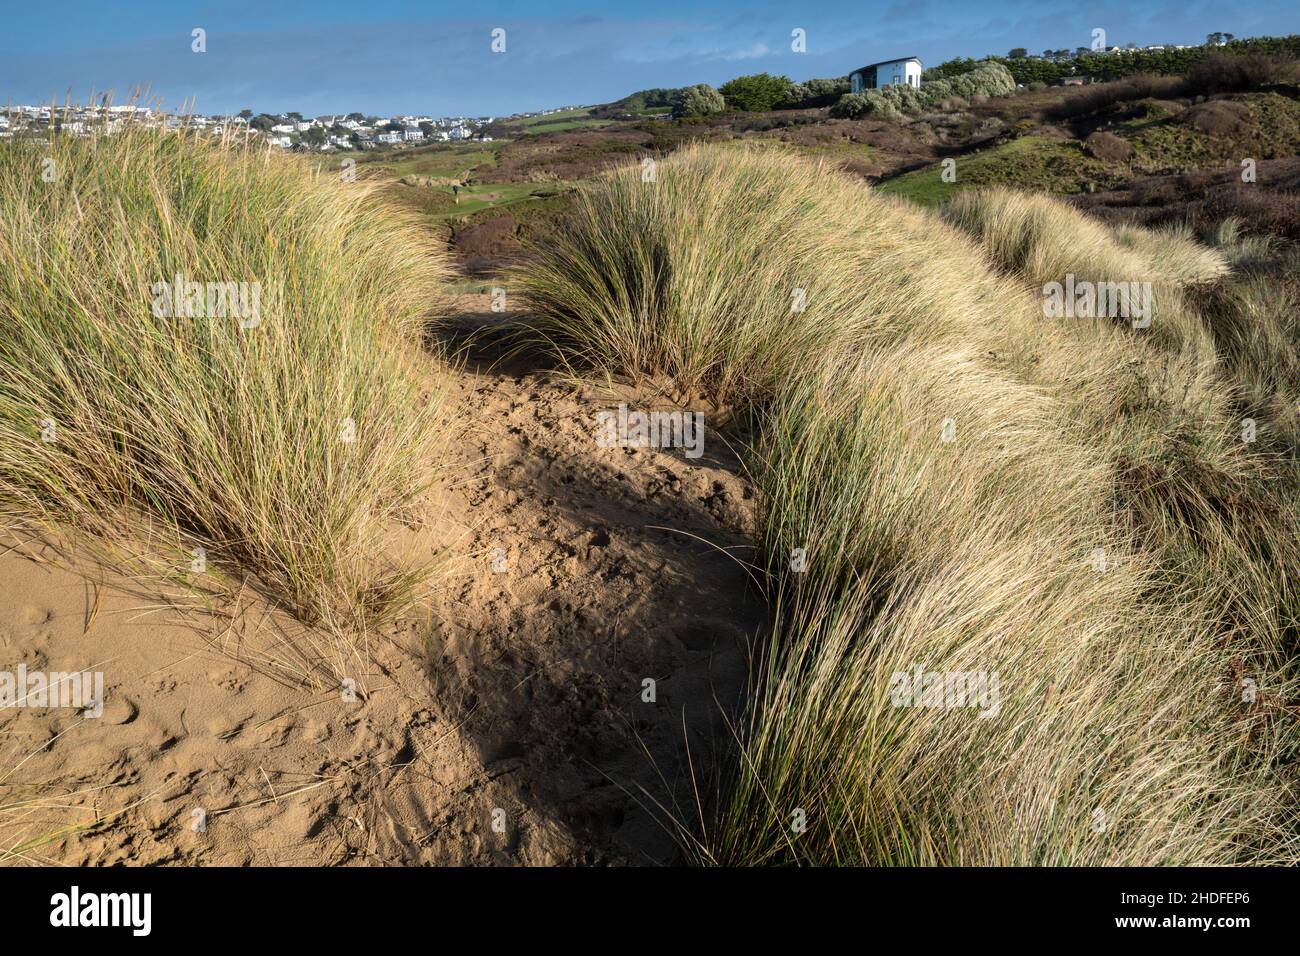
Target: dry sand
[[515, 695]]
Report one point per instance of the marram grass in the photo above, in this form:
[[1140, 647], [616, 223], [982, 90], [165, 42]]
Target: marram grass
[[953, 483], [281, 443]]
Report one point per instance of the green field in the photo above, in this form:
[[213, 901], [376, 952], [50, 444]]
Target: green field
[[564, 126], [476, 198], [422, 179], [1030, 162], [561, 116], [439, 162], [560, 122]]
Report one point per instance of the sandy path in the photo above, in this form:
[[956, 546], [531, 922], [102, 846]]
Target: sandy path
[[516, 699]]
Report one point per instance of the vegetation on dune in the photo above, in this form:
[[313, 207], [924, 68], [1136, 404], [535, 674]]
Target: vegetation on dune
[[1115, 736], [1215, 75], [1111, 66], [638, 102], [815, 93], [1042, 240], [1097, 521], [1256, 325], [1133, 134], [1201, 418], [281, 434], [972, 489], [893, 102], [695, 291]]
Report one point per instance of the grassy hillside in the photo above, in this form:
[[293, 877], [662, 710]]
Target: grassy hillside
[[1031, 162], [558, 122]]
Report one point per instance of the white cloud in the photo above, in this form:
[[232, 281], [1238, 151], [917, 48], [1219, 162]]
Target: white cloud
[[747, 53]]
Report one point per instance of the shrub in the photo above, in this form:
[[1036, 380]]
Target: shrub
[[1269, 213], [1206, 199], [815, 93], [795, 97], [758, 92], [1217, 117], [852, 106], [1111, 66], [117, 412], [699, 100], [1236, 73], [1108, 147], [950, 68], [985, 79], [827, 91], [866, 103], [1091, 99]]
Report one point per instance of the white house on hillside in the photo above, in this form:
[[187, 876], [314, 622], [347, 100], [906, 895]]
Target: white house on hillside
[[877, 76]]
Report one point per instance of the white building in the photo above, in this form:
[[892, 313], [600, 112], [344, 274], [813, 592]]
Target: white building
[[877, 76], [389, 137], [412, 134]]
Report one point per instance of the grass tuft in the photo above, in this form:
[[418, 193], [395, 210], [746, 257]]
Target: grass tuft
[[228, 434]]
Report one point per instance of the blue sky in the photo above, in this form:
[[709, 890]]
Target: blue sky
[[396, 56]]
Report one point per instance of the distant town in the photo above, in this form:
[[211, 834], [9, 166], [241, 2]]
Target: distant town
[[291, 131], [357, 131]]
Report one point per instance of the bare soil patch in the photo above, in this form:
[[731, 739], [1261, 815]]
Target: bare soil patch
[[575, 573]]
